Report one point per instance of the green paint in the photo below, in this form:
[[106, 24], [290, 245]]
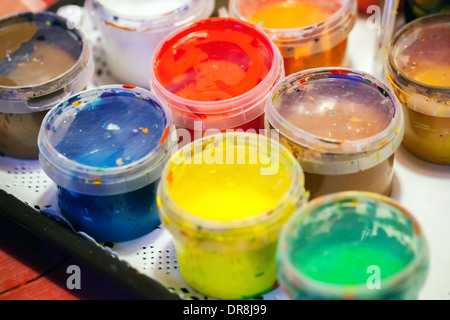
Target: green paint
[[341, 240], [347, 263]]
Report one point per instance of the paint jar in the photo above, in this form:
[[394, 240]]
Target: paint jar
[[105, 149], [342, 125], [352, 245], [216, 74], [415, 9], [224, 198], [418, 70], [132, 29], [310, 34], [42, 62]]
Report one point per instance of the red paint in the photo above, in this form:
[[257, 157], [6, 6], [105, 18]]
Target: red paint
[[214, 59], [128, 86], [253, 126], [339, 71]]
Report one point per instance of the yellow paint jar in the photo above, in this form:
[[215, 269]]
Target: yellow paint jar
[[225, 198], [418, 70]]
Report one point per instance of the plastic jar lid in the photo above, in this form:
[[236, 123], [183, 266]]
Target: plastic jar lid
[[419, 65], [341, 121], [106, 141], [342, 19], [218, 71], [145, 16], [25, 34], [337, 221], [238, 150]]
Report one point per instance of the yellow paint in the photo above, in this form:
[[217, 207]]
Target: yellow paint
[[291, 14], [227, 191], [435, 75], [213, 185]]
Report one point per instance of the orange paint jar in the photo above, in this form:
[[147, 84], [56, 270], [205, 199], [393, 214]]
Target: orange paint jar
[[310, 34]]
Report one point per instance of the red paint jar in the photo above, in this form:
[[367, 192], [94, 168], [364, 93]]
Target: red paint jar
[[215, 74]]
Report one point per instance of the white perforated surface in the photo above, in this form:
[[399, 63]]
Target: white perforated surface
[[421, 187]]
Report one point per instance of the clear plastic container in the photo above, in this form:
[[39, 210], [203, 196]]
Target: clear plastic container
[[352, 246], [310, 34], [105, 149], [216, 74], [224, 198], [343, 126], [42, 62], [418, 70], [132, 29]]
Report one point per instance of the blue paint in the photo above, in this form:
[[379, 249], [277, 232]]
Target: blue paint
[[101, 135], [111, 218]]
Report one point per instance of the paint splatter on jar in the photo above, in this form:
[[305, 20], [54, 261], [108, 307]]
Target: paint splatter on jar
[[215, 75], [42, 61], [224, 198], [343, 126], [105, 149], [132, 29], [418, 70], [352, 245], [310, 34]]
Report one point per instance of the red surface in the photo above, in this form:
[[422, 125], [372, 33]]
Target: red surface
[[31, 269]]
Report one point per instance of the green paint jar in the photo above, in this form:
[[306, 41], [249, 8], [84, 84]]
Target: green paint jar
[[352, 245]]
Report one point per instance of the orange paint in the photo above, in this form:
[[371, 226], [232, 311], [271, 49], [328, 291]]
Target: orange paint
[[166, 132]]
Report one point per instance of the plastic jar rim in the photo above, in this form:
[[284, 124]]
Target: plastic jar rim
[[243, 225], [410, 27], [241, 103], [67, 77], [72, 175], [334, 21], [307, 139], [163, 22], [329, 289]]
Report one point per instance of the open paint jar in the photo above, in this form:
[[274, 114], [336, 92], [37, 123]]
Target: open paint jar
[[310, 34], [216, 74], [132, 29], [352, 245], [224, 198], [418, 70], [41, 63], [342, 125], [105, 149]]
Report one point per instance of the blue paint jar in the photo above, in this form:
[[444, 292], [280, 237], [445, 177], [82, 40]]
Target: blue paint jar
[[105, 149]]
